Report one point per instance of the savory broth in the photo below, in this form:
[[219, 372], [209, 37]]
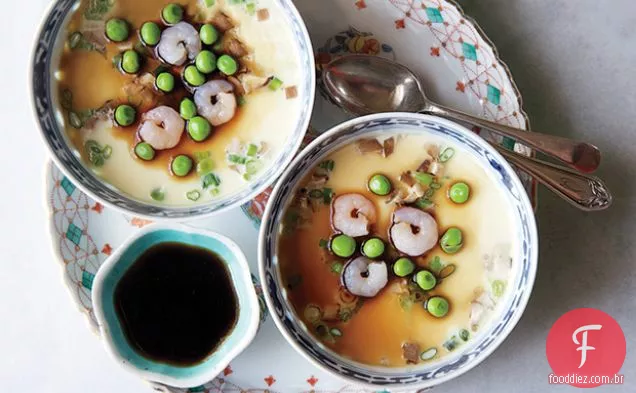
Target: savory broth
[[92, 84], [382, 329]]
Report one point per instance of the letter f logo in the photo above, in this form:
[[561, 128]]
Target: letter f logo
[[584, 347]]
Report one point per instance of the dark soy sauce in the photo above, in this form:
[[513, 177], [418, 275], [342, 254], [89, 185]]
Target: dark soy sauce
[[176, 303]]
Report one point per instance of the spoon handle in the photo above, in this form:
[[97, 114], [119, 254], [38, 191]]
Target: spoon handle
[[586, 192], [581, 156]]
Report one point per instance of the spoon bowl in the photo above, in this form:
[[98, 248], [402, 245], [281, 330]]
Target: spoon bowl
[[368, 84]]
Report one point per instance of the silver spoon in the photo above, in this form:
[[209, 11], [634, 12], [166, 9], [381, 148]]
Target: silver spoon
[[364, 84], [354, 83]]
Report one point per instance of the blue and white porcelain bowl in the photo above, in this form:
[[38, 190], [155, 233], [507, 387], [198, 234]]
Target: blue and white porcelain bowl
[[48, 45], [467, 356], [112, 331]]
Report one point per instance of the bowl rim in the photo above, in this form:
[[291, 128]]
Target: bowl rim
[[253, 310], [341, 128], [185, 215]]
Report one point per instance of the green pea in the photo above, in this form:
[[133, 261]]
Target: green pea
[[437, 306], [403, 267], [172, 14], [187, 109], [459, 192], [181, 165], [373, 247], [117, 30], [193, 76], [208, 34], [227, 65], [150, 33], [165, 82], [199, 128], [343, 246], [451, 241], [380, 185], [205, 61], [125, 115], [130, 62], [425, 280], [144, 151]]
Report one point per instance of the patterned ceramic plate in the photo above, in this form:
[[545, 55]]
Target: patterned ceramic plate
[[459, 67], [457, 63]]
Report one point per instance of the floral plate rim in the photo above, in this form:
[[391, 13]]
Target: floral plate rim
[[50, 166]]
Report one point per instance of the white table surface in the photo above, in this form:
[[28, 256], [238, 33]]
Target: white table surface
[[574, 62]]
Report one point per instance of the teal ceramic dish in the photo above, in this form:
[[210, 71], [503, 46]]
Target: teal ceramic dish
[[111, 330]]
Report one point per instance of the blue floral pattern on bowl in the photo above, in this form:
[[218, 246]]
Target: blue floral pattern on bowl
[[488, 339]]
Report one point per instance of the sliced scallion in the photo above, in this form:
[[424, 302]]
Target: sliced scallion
[[336, 267], [236, 159], [423, 178], [428, 354], [275, 84], [447, 154], [423, 203], [193, 195], [210, 180], [447, 271], [252, 149], [327, 195], [205, 166], [107, 151], [201, 155], [335, 332], [157, 194]]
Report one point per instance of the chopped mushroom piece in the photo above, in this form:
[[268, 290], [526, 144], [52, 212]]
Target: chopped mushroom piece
[[407, 179], [397, 196], [251, 82], [291, 92], [318, 180], [411, 352], [435, 168], [424, 166], [238, 86], [479, 305], [141, 90], [102, 113], [389, 146], [222, 22], [262, 14], [369, 146], [433, 150], [93, 32], [383, 147], [234, 47], [414, 193], [331, 313]]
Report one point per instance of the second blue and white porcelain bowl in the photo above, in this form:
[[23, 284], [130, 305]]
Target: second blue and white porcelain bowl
[[469, 355]]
